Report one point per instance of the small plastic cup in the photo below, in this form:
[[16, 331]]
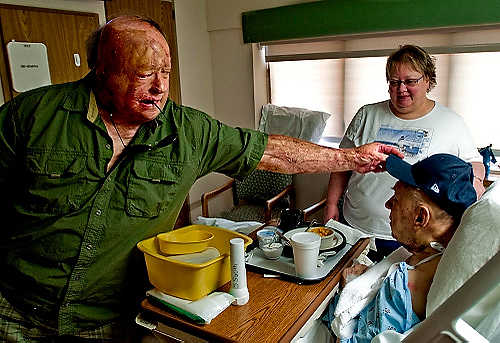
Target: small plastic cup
[[273, 251], [266, 237], [305, 247]]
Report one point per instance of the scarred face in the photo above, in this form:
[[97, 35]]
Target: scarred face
[[402, 208], [134, 66], [408, 99]]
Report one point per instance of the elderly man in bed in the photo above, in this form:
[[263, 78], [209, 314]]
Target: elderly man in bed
[[428, 202]]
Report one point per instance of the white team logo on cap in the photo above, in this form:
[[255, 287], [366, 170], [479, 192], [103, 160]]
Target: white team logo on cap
[[435, 188]]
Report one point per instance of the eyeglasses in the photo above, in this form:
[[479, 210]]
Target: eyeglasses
[[408, 83]]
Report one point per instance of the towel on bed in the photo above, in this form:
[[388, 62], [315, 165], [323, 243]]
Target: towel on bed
[[359, 292]]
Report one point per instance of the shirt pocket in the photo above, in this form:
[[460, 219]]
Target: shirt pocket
[[56, 183], [153, 186]]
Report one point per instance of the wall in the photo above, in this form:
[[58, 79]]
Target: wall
[[217, 74], [195, 67]]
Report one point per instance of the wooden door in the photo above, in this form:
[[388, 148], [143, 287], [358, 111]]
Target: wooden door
[[64, 33]]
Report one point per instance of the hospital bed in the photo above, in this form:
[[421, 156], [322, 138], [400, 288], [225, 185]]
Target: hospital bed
[[463, 304]]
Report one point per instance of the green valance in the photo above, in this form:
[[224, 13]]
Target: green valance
[[344, 17]]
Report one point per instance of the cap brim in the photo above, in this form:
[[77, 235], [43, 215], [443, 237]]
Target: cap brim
[[400, 169]]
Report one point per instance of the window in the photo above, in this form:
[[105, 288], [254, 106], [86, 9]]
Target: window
[[310, 84], [352, 73]]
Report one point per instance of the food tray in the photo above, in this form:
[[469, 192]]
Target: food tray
[[285, 267]]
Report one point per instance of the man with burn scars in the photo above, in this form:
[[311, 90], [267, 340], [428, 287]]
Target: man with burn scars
[[94, 166]]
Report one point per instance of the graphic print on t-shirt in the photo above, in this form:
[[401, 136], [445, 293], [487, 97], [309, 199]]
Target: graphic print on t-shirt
[[412, 142]]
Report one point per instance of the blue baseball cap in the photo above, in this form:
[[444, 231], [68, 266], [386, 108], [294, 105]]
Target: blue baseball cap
[[445, 178]]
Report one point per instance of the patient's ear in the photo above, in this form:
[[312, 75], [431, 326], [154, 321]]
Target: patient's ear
[[422, 216]]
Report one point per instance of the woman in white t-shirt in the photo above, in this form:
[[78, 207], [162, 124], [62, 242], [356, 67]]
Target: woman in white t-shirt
[[415, 124]]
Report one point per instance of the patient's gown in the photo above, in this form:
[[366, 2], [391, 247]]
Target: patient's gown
[[391, 309]]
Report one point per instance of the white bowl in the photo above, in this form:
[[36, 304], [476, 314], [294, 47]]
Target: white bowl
[[327, 236], [272, 251]]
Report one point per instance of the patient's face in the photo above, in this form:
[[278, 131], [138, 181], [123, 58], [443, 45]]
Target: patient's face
[[402, 206]]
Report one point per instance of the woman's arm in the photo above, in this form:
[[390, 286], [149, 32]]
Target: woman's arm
[[336, 187], [479, 174]]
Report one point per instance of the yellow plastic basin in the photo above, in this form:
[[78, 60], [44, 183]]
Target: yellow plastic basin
[[184, 241], [189, 280]]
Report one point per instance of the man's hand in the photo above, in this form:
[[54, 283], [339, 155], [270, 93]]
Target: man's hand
[[371, 157], [351, 273]]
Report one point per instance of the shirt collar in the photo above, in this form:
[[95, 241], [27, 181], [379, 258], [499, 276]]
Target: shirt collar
[[93, 111], [77, 100]]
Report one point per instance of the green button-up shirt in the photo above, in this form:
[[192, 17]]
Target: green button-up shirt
[[68, 255]]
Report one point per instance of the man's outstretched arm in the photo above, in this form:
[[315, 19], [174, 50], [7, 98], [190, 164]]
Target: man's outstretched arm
[[289, 155]]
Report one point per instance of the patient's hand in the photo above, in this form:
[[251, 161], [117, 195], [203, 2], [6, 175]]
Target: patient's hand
[[352, 272]]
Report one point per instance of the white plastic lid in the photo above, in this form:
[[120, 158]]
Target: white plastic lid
[[236, 241], [265, 233], [308, 240]]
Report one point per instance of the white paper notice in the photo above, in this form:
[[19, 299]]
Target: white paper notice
[[29, 65]]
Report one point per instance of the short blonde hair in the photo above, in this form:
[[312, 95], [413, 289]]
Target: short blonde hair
[[417, 58]]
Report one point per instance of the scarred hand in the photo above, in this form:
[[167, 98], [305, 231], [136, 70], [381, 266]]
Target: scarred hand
[[352, 272], [371, 157]]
